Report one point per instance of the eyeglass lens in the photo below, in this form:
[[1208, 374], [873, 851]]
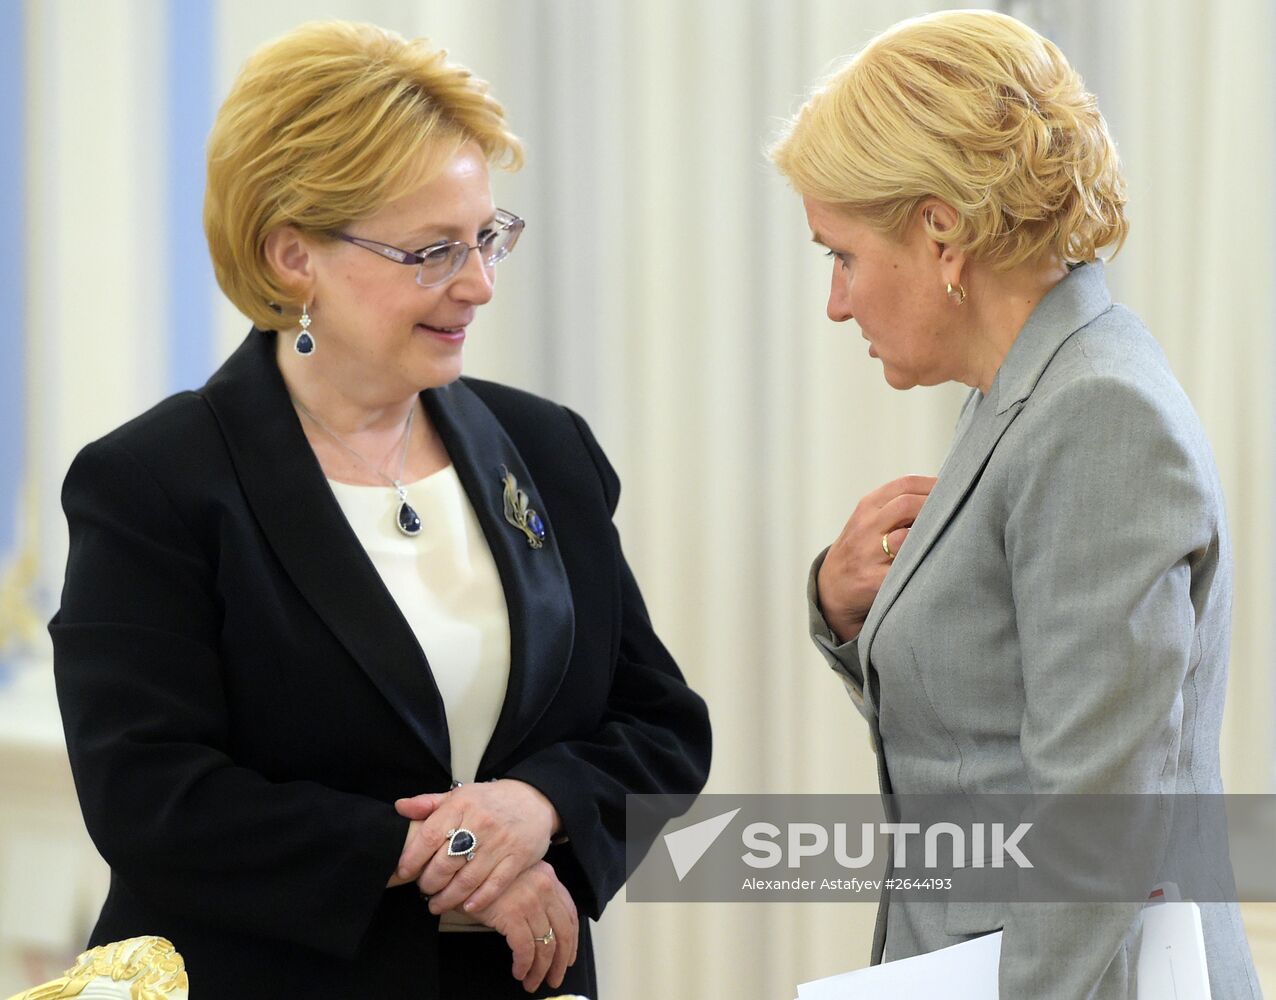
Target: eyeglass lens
[[442, 262]]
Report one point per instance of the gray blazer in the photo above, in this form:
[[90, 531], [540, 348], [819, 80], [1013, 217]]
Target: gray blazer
[[1057, 621]]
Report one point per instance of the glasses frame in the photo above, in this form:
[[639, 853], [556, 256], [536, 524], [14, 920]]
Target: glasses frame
[[459, 250]]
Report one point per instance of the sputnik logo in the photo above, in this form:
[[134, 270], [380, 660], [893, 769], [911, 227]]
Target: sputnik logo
[[688, 845]]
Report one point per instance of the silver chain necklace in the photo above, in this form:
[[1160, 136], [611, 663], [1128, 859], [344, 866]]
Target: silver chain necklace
[[405, 518]]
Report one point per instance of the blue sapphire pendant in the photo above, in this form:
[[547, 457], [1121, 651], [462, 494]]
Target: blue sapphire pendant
[[406, 519], [519, 513], [461, 842]]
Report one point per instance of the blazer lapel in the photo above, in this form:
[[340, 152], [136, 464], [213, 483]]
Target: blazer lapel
[[1073, 303], [960, 472], [537, 593], [303, 523]]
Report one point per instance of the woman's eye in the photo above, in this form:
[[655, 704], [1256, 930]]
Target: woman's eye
[[838, 256], [435, 254]]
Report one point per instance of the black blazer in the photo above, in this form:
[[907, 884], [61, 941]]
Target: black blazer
[[243, 700]]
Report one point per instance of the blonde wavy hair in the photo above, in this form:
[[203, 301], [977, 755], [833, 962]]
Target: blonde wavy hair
[[978, 110], [325, 126]]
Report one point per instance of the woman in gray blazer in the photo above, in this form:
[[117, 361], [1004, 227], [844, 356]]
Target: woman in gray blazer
[[1050, 615]]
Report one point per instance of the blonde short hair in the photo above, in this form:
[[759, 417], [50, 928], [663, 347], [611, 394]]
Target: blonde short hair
[[327, 125], [978, 110]]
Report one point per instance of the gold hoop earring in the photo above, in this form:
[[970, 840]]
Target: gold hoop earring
[[959, 292]]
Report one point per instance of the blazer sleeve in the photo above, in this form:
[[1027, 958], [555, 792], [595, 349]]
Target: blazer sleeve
[[842, 657], [147, 726], [1113, 529], [653, 740]]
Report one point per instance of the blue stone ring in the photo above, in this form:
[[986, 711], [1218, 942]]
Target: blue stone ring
[[462, 842]]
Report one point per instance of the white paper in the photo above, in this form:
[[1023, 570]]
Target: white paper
[[1171, 964], [966, 971]]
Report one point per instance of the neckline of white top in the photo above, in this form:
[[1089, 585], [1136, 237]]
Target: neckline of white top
[[439, 475]]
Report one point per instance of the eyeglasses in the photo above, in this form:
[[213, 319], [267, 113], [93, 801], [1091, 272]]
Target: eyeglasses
[[440, 262]]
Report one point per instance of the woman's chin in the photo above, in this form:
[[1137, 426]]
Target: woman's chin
[[439, 371], [896, 379]]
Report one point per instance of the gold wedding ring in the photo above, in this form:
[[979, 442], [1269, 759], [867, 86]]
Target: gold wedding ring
[[886, 547]]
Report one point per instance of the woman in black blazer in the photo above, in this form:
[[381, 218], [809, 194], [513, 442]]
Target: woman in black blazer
[[266, 729]]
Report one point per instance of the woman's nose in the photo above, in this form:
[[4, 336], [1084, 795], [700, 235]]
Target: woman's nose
[[839, 308], [474, 282]]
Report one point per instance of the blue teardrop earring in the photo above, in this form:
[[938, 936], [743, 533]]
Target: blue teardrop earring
[[305, 342]]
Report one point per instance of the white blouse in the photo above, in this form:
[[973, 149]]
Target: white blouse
[[446, 584]]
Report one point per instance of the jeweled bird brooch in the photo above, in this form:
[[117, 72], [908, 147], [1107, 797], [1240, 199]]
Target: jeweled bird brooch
[[519, 512]]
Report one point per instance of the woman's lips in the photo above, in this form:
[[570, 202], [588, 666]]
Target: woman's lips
[[452, 335]]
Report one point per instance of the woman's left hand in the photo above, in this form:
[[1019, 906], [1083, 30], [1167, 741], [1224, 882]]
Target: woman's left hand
[[512, 824], [537, 908]]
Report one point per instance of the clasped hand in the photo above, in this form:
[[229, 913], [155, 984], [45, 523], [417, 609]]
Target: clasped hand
[[506, 886]]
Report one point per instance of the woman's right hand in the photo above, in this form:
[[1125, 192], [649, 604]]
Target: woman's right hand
[[534, 905], [857, 563]]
